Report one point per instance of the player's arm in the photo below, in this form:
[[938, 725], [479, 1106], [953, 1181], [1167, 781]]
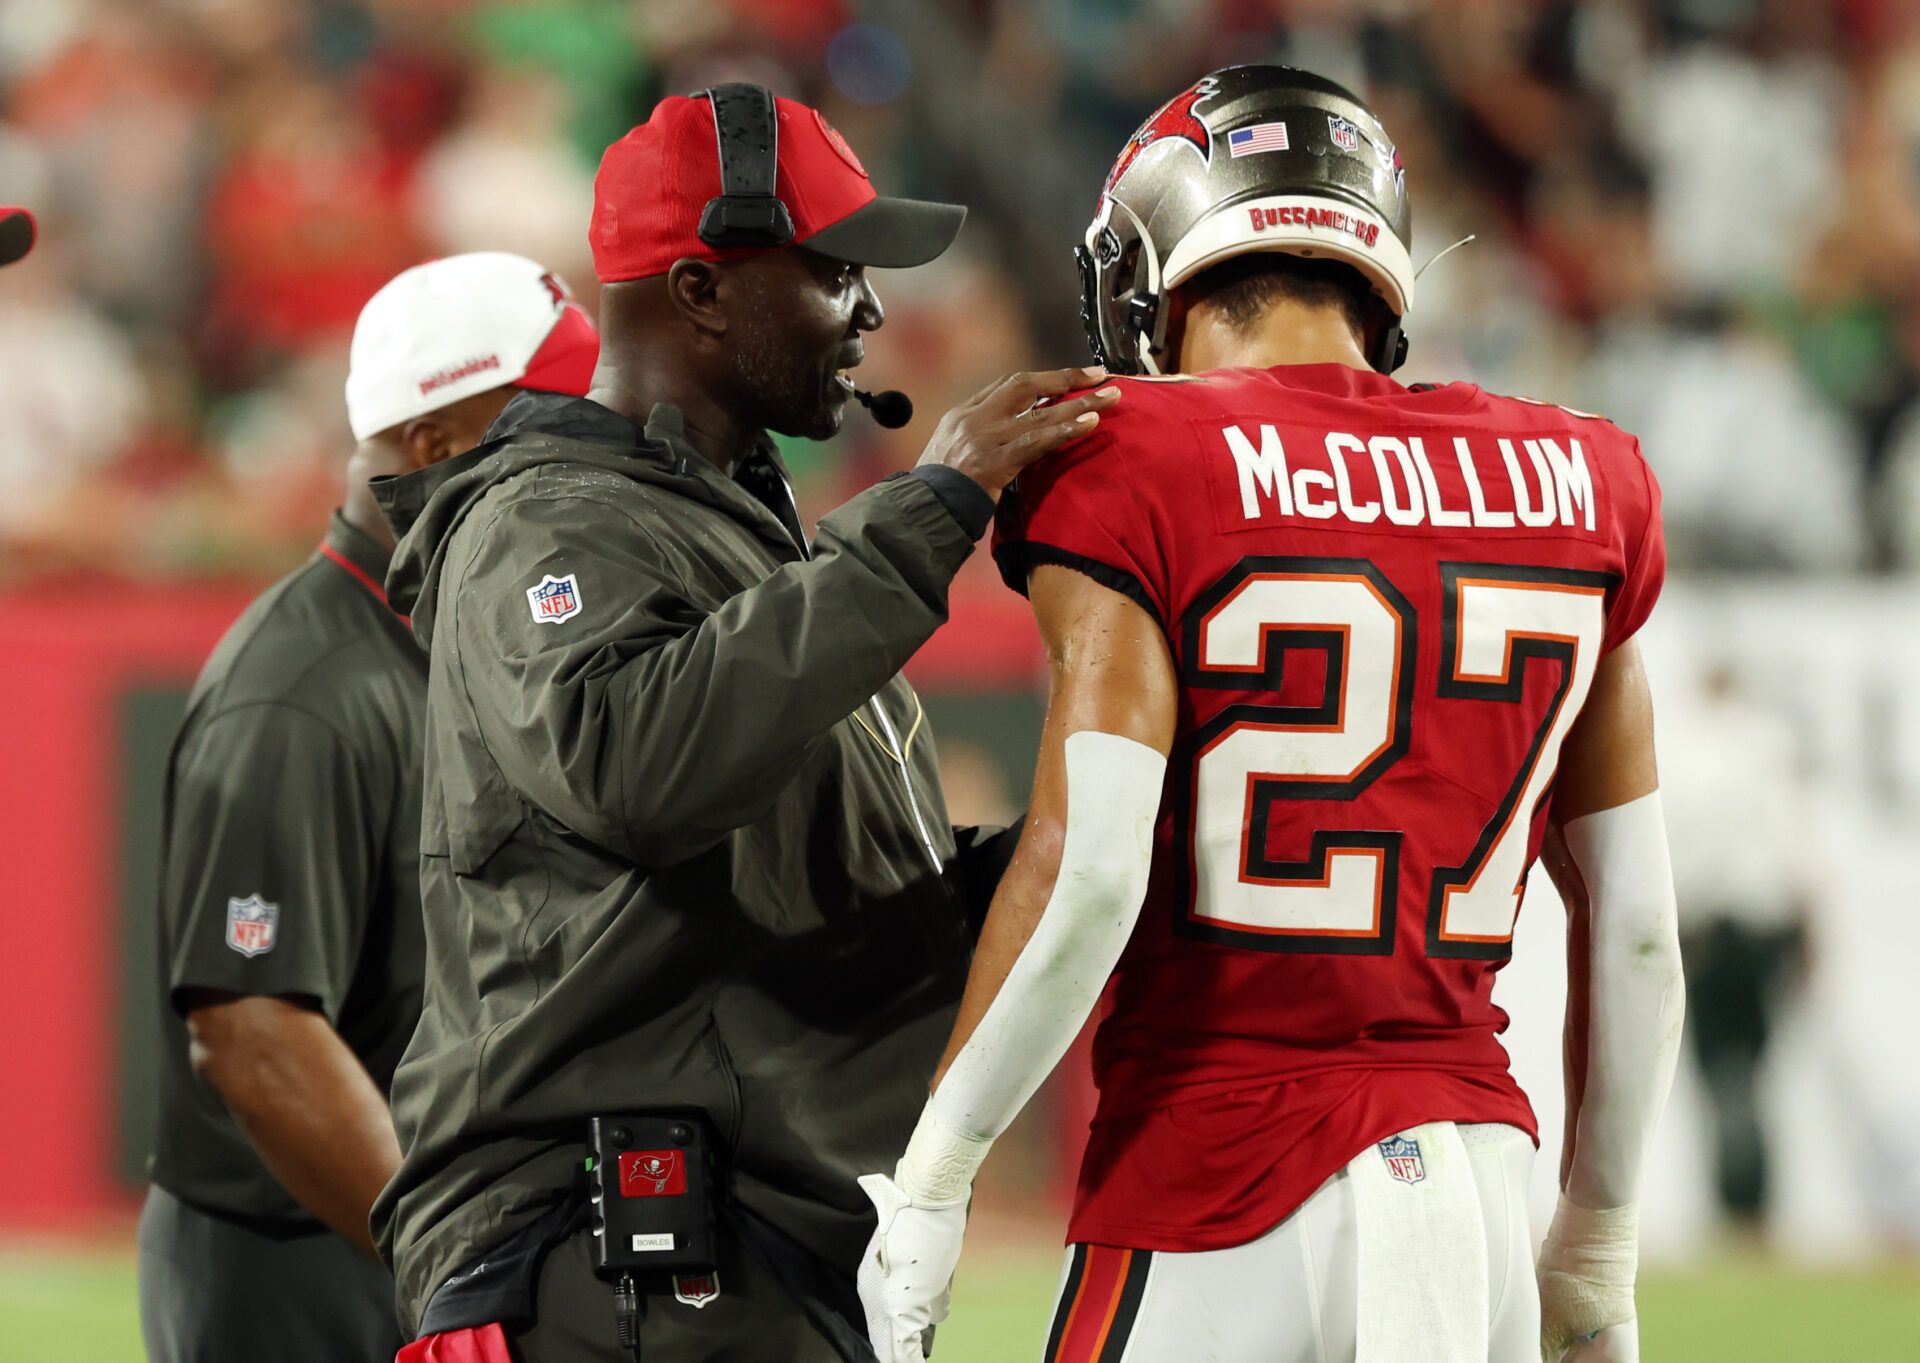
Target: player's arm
[[1608, 856], [302, 1098], [1059, 920]]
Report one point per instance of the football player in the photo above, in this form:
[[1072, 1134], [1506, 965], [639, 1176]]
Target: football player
[[1333, 660]]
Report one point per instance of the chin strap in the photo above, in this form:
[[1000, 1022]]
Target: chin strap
[[1391, 350]]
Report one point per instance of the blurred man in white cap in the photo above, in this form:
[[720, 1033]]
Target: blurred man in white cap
[[291, 941]]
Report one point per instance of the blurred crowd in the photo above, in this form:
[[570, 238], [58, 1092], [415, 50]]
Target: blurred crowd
[[1699, 217]]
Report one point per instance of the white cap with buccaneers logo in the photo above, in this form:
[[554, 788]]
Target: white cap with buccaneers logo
[[461, 325]]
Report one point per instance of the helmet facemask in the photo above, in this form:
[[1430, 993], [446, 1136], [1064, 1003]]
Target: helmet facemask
[[1121, 302]]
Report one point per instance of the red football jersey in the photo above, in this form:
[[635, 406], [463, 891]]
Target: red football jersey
[[1386, 606]]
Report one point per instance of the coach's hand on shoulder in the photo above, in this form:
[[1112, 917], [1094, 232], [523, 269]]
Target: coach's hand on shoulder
[[1000, 430], [906, 1274]]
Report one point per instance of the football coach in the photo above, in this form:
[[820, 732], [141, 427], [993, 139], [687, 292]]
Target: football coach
[[697, 925], [290, 937]]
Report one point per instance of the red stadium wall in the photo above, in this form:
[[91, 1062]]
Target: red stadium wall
[[71, 655]]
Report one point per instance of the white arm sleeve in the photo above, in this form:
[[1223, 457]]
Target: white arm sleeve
[[1636, 1001], [1113, 795]]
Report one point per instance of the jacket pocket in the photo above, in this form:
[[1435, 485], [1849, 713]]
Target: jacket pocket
[[481, 813]]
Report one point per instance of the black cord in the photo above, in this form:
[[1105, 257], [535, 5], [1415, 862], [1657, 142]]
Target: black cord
[[626, 1315]]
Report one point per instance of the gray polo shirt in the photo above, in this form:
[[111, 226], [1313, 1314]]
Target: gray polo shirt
[[291, 848]]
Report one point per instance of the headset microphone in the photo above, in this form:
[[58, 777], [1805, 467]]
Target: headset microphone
[[890, 407]]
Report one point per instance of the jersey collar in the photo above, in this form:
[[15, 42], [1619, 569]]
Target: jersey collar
[[358, 554], [1341, 380]]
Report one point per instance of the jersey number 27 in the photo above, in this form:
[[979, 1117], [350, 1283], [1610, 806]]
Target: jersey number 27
[[1237, 773]]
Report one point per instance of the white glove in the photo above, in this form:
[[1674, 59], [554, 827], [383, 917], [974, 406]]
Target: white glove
[[906, 1274], [1615, 1344]]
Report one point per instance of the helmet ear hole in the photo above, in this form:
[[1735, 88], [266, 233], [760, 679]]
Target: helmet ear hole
[[1124, 270], [1143, 311]]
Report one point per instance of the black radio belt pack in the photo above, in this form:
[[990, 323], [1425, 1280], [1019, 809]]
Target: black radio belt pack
[[653, 1188]]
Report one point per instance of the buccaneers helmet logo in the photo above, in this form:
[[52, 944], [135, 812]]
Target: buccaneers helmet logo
[[1175, 118]]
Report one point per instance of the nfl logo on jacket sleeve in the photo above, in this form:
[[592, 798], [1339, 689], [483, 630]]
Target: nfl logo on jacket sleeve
[[554, 600], [1403, 1159], [252, 924]]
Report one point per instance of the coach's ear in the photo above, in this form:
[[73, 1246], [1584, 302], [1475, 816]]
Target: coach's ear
[[694, 288], [450, 430]]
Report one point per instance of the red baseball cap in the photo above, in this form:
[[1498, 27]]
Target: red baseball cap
[[654, 183], [17, 233]]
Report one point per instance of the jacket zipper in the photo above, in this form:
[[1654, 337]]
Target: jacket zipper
[[899, 754], [894, 748]]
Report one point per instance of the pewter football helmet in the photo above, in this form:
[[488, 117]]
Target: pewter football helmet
[[1250, 158]]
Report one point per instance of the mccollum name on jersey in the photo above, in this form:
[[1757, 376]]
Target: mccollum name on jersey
[[1541, 481]]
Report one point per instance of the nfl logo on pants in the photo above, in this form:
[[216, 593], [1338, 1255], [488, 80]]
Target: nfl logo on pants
[[1403, 1159]]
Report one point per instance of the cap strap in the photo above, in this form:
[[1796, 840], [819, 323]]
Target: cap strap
[[748, 210]]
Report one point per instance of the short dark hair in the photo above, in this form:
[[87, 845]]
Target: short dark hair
[[1245, 286]]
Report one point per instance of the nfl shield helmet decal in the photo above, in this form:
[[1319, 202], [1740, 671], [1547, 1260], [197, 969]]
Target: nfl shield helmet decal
[[1402, 1156], [252, 925], [1345, 133], [554, 600]]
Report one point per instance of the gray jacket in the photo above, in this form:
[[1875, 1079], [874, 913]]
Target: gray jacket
[[683, 838]]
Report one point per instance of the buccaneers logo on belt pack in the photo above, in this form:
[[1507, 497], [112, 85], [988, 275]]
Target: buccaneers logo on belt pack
[[652, 1173]]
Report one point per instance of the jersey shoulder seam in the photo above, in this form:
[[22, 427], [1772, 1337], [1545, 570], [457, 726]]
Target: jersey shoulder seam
[[275, 703], [1036, 553], [353, 638]]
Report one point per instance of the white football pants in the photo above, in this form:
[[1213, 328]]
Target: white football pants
[[1292, 1296]]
